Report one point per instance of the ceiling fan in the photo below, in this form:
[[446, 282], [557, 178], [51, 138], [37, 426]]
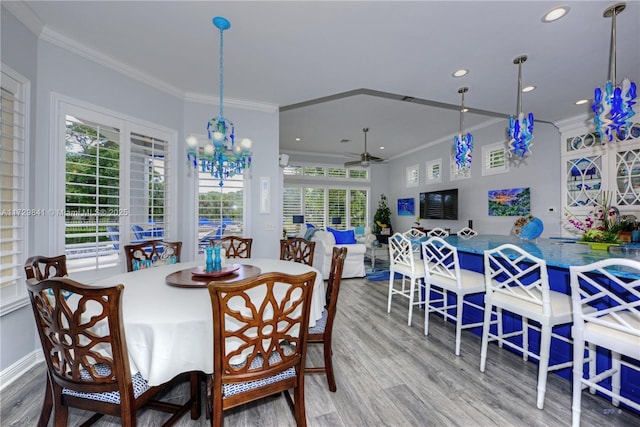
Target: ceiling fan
[[365, 157]]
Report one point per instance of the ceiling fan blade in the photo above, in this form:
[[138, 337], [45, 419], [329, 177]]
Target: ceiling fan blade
[[376, 159], [353, 163], [354, 154]]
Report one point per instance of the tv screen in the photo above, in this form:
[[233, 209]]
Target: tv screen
[[439, 204]]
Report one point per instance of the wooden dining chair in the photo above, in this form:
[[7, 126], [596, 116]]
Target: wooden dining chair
[[321, 333], [297, 250], [606, 316], [152, 252], [237, 247], [41, 267], [260, 335], [85, 349]]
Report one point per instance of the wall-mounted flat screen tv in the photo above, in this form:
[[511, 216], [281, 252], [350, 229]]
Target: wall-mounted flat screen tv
[[441, 204]]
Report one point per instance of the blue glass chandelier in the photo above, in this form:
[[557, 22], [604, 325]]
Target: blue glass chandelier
[[463, 144], [613, 105], [521, 126], [222, 157]]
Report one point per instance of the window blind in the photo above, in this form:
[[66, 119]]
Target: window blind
[[13, 212]]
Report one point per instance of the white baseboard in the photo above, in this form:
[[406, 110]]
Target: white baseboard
[[16, 370]]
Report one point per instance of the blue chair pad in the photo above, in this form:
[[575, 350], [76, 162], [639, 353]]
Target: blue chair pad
[[140, 385]]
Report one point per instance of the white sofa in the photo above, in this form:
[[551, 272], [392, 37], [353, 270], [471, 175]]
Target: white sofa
[[353, 263]]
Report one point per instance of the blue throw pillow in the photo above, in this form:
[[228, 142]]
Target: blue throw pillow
[[343, 237], [310, 226], [308, 235]]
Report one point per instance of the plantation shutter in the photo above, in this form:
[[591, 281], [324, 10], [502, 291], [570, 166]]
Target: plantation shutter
[[291, 205], [338, 207], [13, 214], [92, 194], [314, 211], [149, 194]]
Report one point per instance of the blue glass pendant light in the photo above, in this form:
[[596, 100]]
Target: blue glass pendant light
[[463, 144], [520, 126], [222, 157], [613, 105]]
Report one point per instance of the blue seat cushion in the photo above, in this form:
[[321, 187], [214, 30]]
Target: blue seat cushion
[[321, 324], [236, 388], [140, 385]]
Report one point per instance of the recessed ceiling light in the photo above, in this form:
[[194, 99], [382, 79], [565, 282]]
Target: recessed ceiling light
[[555, 13], [464, 110], [581, 101], [297, 139], [528, 88], [382, 147], [461, 72]]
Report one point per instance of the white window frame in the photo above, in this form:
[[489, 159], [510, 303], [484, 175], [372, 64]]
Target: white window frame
[[63, 105], [296, 171], [14, 295], [433, 177], [412, 176], [487, 150]]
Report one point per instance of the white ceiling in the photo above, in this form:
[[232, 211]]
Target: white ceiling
[[291, 52]]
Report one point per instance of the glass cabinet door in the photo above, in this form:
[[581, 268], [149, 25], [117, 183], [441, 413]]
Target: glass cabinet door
[[627, 167], [584, 180]]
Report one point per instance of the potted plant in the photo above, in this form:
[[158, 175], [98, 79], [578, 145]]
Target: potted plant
[[382, 218], [599, 227]]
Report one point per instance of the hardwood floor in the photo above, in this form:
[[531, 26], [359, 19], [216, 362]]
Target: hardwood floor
[[387, 374]]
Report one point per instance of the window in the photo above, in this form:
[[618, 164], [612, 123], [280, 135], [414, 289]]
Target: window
[[117, 186], [434, 171], [319, 204], [307, 193], [13, 171], [413, 177], [220, 208], [494, 159]]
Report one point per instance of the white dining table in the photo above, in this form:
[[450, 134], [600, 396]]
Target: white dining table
[[169, 329]]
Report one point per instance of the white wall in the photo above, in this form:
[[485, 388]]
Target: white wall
[[540, 172]]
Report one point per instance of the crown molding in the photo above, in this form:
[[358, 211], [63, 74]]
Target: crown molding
[[74, 46], [239, 103], [25, 15]]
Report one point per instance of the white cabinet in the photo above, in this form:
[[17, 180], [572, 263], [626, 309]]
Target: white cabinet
[[592, 169]]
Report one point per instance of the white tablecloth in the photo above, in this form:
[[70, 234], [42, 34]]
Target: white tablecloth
[[169, 329]]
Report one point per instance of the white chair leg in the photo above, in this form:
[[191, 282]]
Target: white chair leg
[[485, 335], [445, 302], [615, 379], [391, 277], [412, 292], [525, 339], [500, 334], [427, 294], [578, 373], [592, 365], [543, 363], [460, 305]]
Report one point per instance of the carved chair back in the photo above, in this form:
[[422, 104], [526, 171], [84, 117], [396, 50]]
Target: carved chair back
[[298, 250]]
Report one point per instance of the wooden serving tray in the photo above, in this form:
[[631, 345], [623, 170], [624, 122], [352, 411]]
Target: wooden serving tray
[[186, 279]]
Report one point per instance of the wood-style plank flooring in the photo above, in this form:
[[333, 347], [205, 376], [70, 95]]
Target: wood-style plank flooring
[[387, 374]]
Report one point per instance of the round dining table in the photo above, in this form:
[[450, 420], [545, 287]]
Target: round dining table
[[169, 328]]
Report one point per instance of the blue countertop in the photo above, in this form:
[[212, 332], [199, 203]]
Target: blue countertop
[[560, 253]]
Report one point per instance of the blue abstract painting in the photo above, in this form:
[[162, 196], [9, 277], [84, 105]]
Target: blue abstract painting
[[406, 207]]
